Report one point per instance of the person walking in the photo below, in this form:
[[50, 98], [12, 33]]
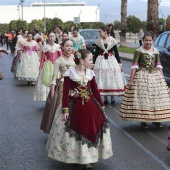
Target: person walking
[[140, 36], [146, 97], [28, 68], [51, 52], [59, 32], [70, 141], [108, 68], [61, 65], [78, 40]]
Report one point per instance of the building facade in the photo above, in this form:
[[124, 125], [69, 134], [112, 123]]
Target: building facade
[[64, 11]]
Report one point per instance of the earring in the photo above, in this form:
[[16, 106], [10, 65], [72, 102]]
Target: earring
[[82, 65]]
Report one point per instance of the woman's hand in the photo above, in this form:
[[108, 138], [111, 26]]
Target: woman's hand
[[130, 84], [65, 116]]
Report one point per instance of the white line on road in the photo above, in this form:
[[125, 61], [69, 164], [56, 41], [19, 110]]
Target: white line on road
[[127, 75], [138, 143]]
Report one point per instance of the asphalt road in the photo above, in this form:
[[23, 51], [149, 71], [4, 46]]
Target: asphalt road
[[22, 143]]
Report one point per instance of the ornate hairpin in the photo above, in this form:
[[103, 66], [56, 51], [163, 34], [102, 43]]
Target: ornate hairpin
[[78, 55]]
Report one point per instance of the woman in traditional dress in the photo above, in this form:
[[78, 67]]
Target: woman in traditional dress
[[20, 39], [108, 68], [65, 35], [54, 98], [51, 52], [70, 141], [147, 96], [28, 68], [39, 41], [78, 40]]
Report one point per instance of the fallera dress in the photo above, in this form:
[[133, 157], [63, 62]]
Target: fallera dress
[[28, 68], [85, 136], [49, 56], [78, 42], [108, 72], [15, 61], [148, 100], [61, 65]]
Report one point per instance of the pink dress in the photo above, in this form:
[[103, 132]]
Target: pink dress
[[49, 56], [28, 68]]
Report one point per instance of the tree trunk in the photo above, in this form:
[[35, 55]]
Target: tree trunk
[[152, 17], [123, 22]]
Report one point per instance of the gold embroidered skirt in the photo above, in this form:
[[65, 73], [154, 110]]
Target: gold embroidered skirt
[[148, 99]]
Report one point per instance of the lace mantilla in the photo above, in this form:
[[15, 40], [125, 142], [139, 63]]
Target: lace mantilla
[[72, 74], [112, 42], [51, 48], [155, 51], [29, 44]]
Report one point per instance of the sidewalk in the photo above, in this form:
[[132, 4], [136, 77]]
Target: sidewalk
[[126, 56]]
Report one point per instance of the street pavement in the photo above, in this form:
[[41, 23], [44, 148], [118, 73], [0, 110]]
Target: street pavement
[[22, 143]]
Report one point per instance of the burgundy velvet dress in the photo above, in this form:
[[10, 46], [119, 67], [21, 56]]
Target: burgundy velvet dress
[[85, 136]]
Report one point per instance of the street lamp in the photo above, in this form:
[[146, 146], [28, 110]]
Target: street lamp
[[44, 18], [96, 12], [21, 2], [80, 14], [18, 12]]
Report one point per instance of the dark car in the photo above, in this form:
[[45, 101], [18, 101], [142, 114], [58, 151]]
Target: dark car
[[162, 43], [90, 36]]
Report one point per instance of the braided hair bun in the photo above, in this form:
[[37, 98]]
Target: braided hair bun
[[80, 54]]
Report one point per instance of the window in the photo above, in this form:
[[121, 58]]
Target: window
[[156, 41], [90, 34], [168, 42], [162, 40]]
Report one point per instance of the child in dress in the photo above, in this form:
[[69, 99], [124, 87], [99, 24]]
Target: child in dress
[[146, 97], [61, 65], [108, 68], [80, 132]]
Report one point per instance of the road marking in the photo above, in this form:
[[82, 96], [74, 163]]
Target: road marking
[[138, 143], [127, 75], [158, 138], [150, 133]]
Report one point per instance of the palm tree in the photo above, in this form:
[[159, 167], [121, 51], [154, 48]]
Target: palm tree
[[152, 17], [123, 22]]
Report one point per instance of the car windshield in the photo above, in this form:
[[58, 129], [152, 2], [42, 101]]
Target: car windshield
[[90, 34]]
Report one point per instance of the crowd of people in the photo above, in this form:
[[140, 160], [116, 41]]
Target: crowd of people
[[71, 81]]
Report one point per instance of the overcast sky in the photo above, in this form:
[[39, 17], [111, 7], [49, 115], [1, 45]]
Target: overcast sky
[[109, 9]]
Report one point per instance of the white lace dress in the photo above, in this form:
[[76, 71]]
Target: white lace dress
[[28, 68], [108, 72]]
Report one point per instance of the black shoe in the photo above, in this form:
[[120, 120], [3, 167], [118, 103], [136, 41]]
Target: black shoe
[[113, 102], [28, 83], [157, 124], [144, 125], [106, 102]]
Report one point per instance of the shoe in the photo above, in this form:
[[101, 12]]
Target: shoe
[[157, 124], [28, 83], [113, 102], [106, 102], [88, 166], [144, 125], [33, 83]]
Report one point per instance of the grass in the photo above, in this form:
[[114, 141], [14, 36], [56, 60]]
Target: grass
[[130, 50]]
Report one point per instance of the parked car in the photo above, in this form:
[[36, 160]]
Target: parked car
[[90, 36], [162, 43]]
